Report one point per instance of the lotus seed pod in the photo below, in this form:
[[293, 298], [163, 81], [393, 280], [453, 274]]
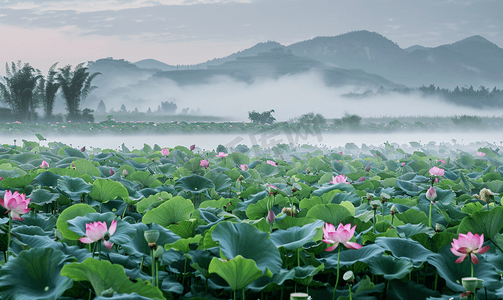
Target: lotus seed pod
[[348, 276], [151, 236], [471, 283]]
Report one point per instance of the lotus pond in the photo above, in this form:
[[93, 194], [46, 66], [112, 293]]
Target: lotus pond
[[423, 222]]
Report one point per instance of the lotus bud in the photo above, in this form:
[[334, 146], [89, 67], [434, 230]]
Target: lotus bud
[[83, 149], [111, 172], [158, 252], [436, 179], [367, 168], [124, 173], [471, 283], [431, 194], [192, 147], [1, 178], [73, 166], [241, 178], [370, 196], [270, 217], [393, 210], [361, 179], [151, 236], [307, 170]]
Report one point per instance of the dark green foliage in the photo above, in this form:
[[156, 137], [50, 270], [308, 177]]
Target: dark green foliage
[[311, 118], [466, 120], [262, 118], [351, 120]]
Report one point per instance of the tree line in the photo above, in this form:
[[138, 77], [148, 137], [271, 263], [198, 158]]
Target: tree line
[[24, 89]]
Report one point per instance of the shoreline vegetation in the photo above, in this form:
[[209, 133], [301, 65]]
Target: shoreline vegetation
[[194, 124]]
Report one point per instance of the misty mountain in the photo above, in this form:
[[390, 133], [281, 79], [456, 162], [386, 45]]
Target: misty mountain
[[471, 61], [274, 64], [154, 64]]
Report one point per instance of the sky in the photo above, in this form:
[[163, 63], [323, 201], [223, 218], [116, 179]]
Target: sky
[[43, 32]]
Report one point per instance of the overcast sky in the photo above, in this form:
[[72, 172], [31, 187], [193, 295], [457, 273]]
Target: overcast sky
[[43, 32]]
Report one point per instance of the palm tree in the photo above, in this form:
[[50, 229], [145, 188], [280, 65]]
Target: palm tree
[[19, 90], [75, 87], [47, 91]]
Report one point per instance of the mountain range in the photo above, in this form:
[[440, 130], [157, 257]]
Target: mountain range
[[361, 59]]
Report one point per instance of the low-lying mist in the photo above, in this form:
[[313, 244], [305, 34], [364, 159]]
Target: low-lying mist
[[290, 96]]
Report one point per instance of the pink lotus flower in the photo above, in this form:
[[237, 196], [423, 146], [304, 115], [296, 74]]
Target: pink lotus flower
[[270, 217], [367, 168], [165, 151], [468, 244], [339, 179], [1, 178], [204, 163], [436, 171], [16, 203], [221, 154], [481, 154], [44, 165], [431, 194], [403, 164], [124, 173], [192, 147], [272, 163], [343, 234], [243, 167], [441, 161], [96, 231]]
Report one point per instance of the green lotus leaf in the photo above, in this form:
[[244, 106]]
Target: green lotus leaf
[[18, 182], [139, 247], [24, 158], [238, 272], [185, 245], [489, 223], [410, 290], [309, 178], [45, 221], [405, 248], [330, 213], [193, 165], [170, 212], [408, 230], [103, 275], [47, 178], [201, 260], [221, 181], [73, 187], [132, 296], [304, 274], [42, 197], [171, 285], [351, 256], [32, 236], [452, 272], [86, 167], [268, 284], [104, 190], [71, 212], [237, 159], [115, 206], [266, 170], [495, 186], [413, 216], [195, 184], [123, 233], [339, 186], [294, 237], [71, 152], [465, 162], [246, 240], [409, 187], [35, 274], [145, 179], [390, 267]]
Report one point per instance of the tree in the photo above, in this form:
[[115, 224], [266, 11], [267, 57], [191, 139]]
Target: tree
[[169, 107], [75, 87], [351, 120], [19, 90], [102, 108], [123, 108], [262, 118], [47, 90], [311, 118]]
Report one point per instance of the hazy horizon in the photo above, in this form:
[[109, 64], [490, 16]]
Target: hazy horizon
[[190, 32]]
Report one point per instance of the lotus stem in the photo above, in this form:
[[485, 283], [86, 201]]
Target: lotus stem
[[244, 294], [8, 240], [436, 280], [235, 295], [471, 264], [429, 219], [152, 266], [298, 257], [374, 220], [141, 264], [99, 254], [157, 273], [350, 293], [337, 280]]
